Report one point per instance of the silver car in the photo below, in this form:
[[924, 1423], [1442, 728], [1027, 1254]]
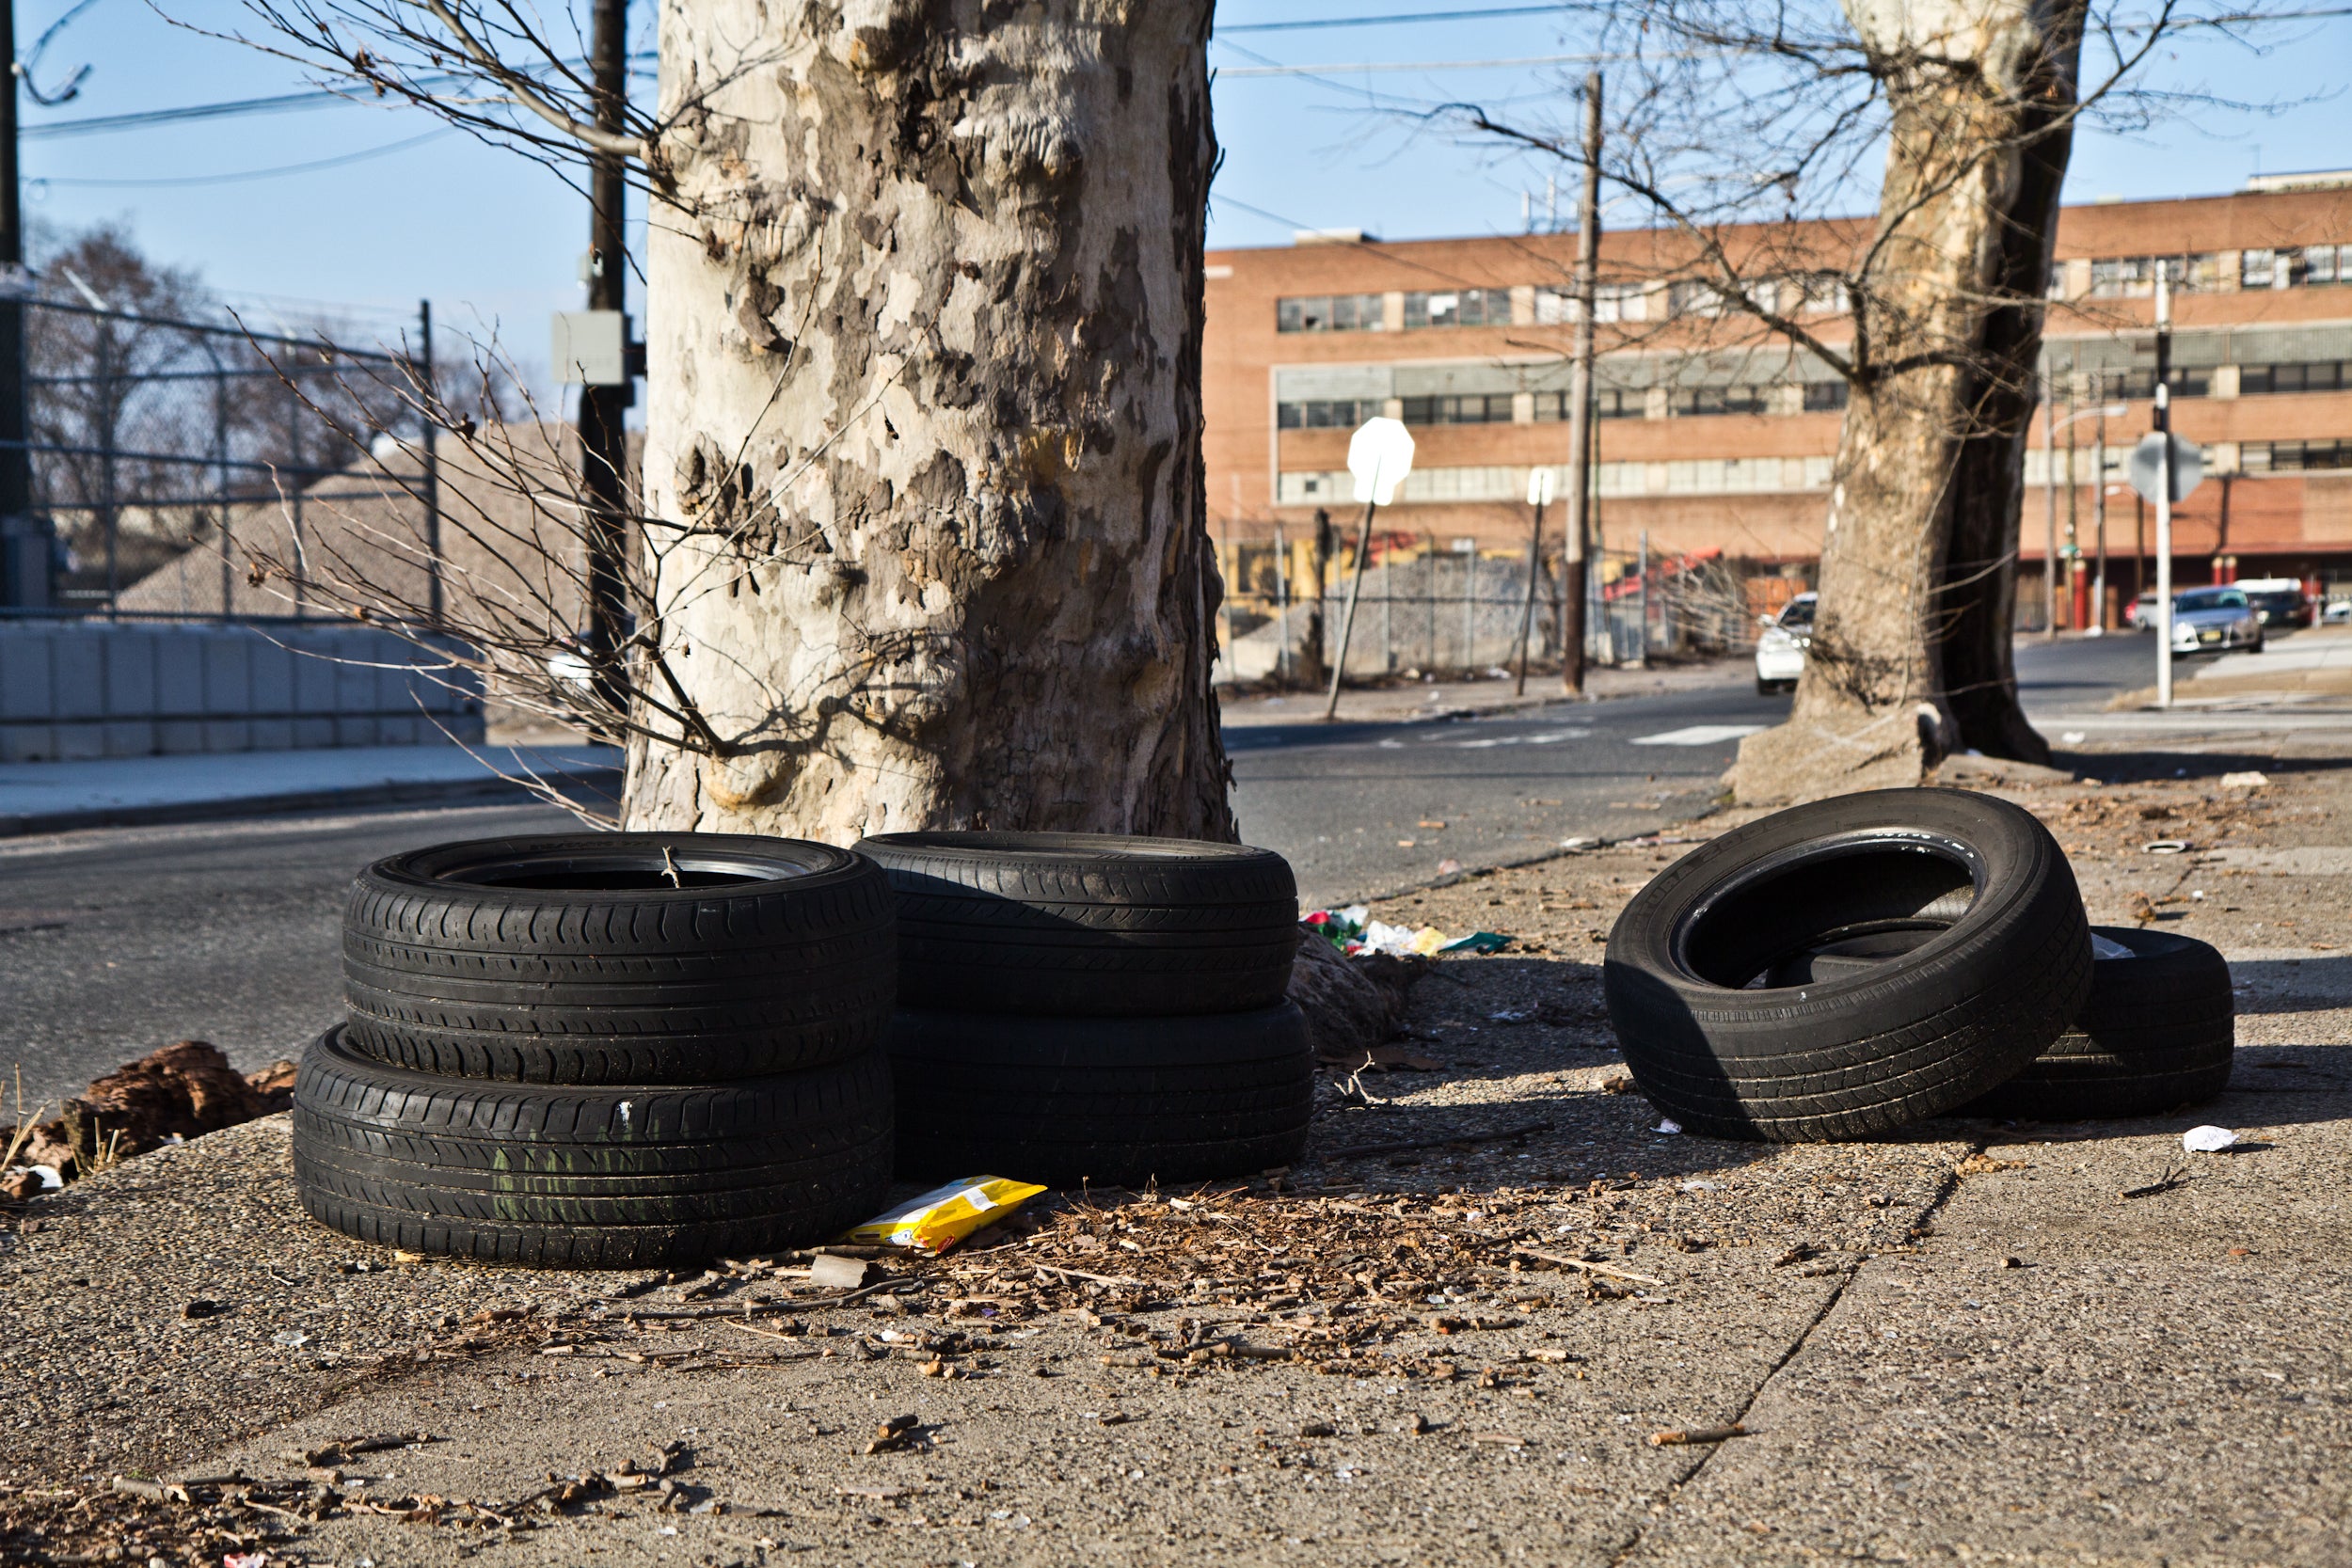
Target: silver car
[[2213, 620]]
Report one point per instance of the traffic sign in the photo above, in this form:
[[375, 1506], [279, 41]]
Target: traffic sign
[[1381, 455], [1539, 486], [2187, 466]]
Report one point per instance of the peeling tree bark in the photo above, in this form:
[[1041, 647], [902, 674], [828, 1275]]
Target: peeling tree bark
[[923, 344], [1910, 650]]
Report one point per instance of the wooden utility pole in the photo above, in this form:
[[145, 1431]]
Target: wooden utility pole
[[1581, 402], [603, 409]]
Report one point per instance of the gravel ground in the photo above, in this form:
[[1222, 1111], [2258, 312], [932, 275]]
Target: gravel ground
[[2155, 1379]]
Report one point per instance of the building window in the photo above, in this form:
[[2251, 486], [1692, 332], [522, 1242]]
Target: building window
[[1475, 408], [1825, 396], [2135, 277], [1694, 299], [2295, 269], [2294, 457], [1808, 292], [1341, 413], [1467, 308], [1609, 402], [2141, 384], [1611, 301], [1716, 400], [2323, 375], [1329, 313]]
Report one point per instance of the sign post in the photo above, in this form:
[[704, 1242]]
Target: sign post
[[1539, 483], [2164, 470], [2164, 491], [1380, 454]]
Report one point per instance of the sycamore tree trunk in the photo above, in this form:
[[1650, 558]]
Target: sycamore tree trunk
[[1910, 650], [928, 533]]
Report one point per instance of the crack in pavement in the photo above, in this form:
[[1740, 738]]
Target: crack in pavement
[[1663, 1506]]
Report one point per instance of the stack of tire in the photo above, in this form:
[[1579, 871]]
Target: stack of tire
[[1089, 1008], [605, 1050], [1846, 968]]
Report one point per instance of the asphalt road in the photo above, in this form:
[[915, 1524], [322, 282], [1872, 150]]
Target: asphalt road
[[1361, 810], [113, 943]]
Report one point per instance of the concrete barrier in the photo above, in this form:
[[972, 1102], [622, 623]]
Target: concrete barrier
[[81, 689]]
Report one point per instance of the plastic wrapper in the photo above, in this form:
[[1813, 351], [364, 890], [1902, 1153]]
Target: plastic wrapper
[[944, 1216]]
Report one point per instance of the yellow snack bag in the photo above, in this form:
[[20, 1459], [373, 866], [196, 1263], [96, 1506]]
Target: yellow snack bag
[[945, 1215]]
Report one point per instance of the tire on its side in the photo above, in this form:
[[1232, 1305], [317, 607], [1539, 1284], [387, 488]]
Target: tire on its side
[[1108, 1100], [2003, 967], [1088, 925], [2157, 1032], [604, 1177], [575, 958]]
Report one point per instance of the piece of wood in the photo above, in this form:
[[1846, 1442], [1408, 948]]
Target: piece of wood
[[832, 1272], [1407, 1145], [1583, 1267]]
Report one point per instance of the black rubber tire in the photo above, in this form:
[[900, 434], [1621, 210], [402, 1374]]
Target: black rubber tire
[[610, 1176], [792, 967], [2003, 970], [2157, 1032], [1112, 1101], [1088, 925]]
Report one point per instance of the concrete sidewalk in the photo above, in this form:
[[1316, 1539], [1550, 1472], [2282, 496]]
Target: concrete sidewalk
[[1967, 1344], [1410, 702], [58, 797]]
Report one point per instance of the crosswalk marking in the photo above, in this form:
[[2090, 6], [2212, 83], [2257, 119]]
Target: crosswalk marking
[[1698, 735]]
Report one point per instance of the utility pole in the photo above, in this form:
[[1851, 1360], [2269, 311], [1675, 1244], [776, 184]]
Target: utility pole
[[603, 409], [23, 538], [2099, 500], [1581, 402], [2049, 512]]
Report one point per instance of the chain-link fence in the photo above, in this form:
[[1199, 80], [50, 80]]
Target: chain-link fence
[[1421, 610], [152, 441]]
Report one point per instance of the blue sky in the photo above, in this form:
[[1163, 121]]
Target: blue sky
[[495, 240]]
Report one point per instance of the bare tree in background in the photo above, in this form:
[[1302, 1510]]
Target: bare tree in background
[[1739, 122], [923, 511]]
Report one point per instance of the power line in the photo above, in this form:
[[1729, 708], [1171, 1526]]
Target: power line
[[1400, 18], [1414, 65], [319, 98], [243, 175]]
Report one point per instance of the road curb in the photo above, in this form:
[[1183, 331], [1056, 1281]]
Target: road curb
[[592, 783]]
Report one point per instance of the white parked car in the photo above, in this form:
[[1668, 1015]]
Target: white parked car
[[1780, 648], [2211, 620]]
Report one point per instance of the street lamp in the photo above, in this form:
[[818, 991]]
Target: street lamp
[[2053, 424]]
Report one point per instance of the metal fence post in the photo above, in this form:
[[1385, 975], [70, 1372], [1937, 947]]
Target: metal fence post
[[1470, 609], [432, 418], [107, 418], [294, 508], [1281, 607], [220, 452]]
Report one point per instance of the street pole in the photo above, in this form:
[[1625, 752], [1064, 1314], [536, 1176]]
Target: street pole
[[2049, 513], [2099, 500], [1572, 567], [2089, 624], [603, 409], [1347, 622], [24, 542], [1527, 615], [2164, 488]]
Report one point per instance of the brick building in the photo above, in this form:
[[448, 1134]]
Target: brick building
[[1711, 439]]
